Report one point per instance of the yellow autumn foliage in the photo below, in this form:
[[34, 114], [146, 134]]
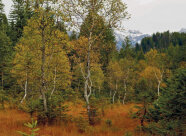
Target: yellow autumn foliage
[[28, 58]]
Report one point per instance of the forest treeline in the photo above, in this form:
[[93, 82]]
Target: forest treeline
[[42, 67], [162, 41]]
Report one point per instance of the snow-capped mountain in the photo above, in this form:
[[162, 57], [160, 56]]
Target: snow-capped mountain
[[134, 36], [183, 30]]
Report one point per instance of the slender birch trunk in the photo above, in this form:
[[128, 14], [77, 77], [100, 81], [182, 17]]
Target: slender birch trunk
[[159, 79], [88, 82], [26, 88], [113, 97]]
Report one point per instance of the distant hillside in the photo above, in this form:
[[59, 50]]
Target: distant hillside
[[162, 40]]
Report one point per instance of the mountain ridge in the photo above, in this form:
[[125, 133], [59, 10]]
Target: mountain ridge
[[135, 36]]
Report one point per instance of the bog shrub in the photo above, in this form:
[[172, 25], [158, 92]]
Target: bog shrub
[[32, 128]]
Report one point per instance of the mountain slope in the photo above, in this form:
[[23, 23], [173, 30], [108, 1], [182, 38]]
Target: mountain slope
[[134, 36], [183, 30]]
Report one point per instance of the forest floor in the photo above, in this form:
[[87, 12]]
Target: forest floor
[[12, 120]]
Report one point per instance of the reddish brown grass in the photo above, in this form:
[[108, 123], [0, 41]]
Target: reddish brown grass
[[13, 120]]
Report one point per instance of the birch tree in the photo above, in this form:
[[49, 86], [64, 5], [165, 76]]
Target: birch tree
[[127, 69], [76, 11], [159, 64], [114, 78], [41, 56]]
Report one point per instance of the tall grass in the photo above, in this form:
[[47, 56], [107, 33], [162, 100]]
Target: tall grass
[[13, 120]]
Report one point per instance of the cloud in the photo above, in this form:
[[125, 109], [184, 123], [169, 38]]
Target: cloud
[[8, 4], [144, 2], [150, 16]]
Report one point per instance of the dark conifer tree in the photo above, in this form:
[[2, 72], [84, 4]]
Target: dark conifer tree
[[168, 114], [20, 13], [6, 49]]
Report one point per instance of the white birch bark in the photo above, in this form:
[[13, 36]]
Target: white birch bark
[[159, 79], [25, 88], [113, 97]]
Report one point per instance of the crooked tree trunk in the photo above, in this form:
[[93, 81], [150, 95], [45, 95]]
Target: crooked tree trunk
[[86, 96], [88, 82]]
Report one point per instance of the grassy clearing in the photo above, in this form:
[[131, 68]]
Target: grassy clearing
[[12, 120]]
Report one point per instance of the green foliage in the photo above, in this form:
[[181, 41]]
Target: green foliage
[[105, 42], [146, 96], [5, 49], [20, 13], [4, 27], [128, 134], [1, 6], [56, 111], [46, 59], [162, 41], [168, 113], [6, 54], [31, 106], [143, 91], [82, 124], [95, 116], [108, 122], [176, 55], [3, 98], [126, 51], [42, 54], [32, 128], [3, 19]]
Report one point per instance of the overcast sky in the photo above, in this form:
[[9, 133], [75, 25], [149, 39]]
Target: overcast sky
[[149, 16]]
